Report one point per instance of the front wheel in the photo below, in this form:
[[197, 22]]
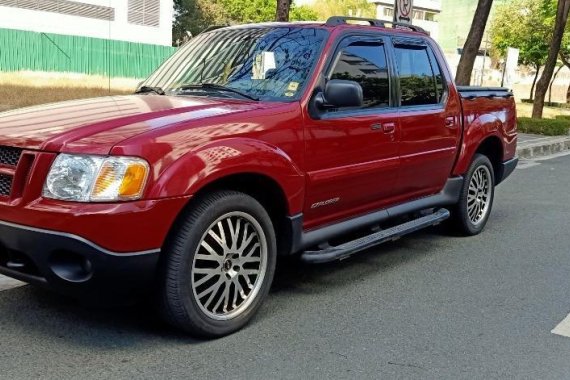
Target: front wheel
[[472, 212], [219, 265]]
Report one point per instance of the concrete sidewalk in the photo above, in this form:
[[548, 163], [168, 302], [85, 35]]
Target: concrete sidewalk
[[532, 146]]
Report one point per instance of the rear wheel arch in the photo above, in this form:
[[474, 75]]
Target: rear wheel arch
[[492, 148], [481, 136]]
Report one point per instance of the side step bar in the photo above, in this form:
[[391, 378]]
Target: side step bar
[[394, 233]]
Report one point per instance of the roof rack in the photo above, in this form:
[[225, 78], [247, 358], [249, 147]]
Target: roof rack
[[340, 20]]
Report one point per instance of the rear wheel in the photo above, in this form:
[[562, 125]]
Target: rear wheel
[[219, 265], [476, 199]]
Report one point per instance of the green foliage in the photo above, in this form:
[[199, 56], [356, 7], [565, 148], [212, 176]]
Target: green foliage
[[197, 15], [303, 13], [327, 8], [565, 47], [547, 127], [526, 25]]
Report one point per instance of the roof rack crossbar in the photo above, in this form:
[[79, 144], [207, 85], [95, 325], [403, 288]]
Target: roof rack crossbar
[[340, 20]]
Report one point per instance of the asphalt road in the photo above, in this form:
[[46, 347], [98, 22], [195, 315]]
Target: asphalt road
[[427, 306]]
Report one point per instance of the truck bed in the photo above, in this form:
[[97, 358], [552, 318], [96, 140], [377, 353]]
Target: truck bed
[[472, 92]]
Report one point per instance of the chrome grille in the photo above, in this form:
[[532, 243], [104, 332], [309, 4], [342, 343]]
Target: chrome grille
[[5, 185], [9, 156]]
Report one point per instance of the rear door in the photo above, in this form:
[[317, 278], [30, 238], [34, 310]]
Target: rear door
[[429, 119], [352, 154]]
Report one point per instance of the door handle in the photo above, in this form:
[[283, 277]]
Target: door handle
[[386, 127], [450, 122]]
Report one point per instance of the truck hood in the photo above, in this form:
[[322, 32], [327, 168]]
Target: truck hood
[[96, 125]]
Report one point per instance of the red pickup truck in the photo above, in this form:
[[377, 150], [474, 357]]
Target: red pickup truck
[[311, 139]]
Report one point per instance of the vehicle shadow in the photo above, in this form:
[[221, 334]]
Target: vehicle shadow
[[293, 276], [40, 312]]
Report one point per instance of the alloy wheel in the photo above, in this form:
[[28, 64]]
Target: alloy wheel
[[479, 196], [229, 265]]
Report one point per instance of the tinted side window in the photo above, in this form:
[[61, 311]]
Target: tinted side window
[[421, 81], [439, 82], [365, 64]]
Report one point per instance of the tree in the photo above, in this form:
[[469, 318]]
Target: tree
[[282, 13], [302, 13], [524, 25], [565, 57], [196, 15], [473, 42], [327, 8], [558, 34]]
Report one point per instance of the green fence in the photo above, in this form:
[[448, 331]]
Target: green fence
[[22, 50]]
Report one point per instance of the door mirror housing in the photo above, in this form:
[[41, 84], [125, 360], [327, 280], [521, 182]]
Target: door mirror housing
[[340, 93]]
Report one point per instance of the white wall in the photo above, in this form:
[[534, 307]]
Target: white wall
[[428, 4], [119, 29]]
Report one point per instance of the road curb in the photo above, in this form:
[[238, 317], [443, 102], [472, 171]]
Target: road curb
[[546, 147]]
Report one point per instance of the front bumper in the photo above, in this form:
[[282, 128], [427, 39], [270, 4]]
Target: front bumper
[[73, 265]]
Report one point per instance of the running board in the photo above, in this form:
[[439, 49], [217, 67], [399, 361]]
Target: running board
[[394, 233]]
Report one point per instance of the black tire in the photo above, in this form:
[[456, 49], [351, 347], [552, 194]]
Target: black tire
[[179, 303], [461, 222]]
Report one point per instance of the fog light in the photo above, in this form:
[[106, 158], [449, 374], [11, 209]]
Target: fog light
[[70, 266]]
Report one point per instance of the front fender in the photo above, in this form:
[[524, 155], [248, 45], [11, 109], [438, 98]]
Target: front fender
[[477, 131], [223, 158]]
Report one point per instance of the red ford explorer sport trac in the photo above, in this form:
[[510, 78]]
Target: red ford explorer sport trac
[[318, 140]]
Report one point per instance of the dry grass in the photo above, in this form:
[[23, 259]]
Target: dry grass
[[525, 110], [22, 89], [46, 79], [22, 96]]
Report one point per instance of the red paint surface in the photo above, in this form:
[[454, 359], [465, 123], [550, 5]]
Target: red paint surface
[[192, 141]]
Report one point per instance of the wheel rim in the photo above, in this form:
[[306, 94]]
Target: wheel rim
[[229, 265], [479, 197]]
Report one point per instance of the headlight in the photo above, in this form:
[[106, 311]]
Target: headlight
[[96, 178]]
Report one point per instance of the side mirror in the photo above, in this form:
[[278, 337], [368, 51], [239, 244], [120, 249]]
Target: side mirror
[[340, 93]]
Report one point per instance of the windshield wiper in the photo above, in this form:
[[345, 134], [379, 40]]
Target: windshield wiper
[[148, 89], [218, 87]]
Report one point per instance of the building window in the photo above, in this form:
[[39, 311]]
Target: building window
[[144, 12], [418, 15], [66, 7], [430, 16], [388, 12]]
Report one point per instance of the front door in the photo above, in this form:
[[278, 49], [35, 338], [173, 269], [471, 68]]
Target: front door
[[352, 154]]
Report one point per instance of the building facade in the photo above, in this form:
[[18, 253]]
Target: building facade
[[140, 21], [425, 14], [113, 38], [455, 21]]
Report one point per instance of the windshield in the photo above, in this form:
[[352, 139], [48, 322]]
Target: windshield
[[264, 63]]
